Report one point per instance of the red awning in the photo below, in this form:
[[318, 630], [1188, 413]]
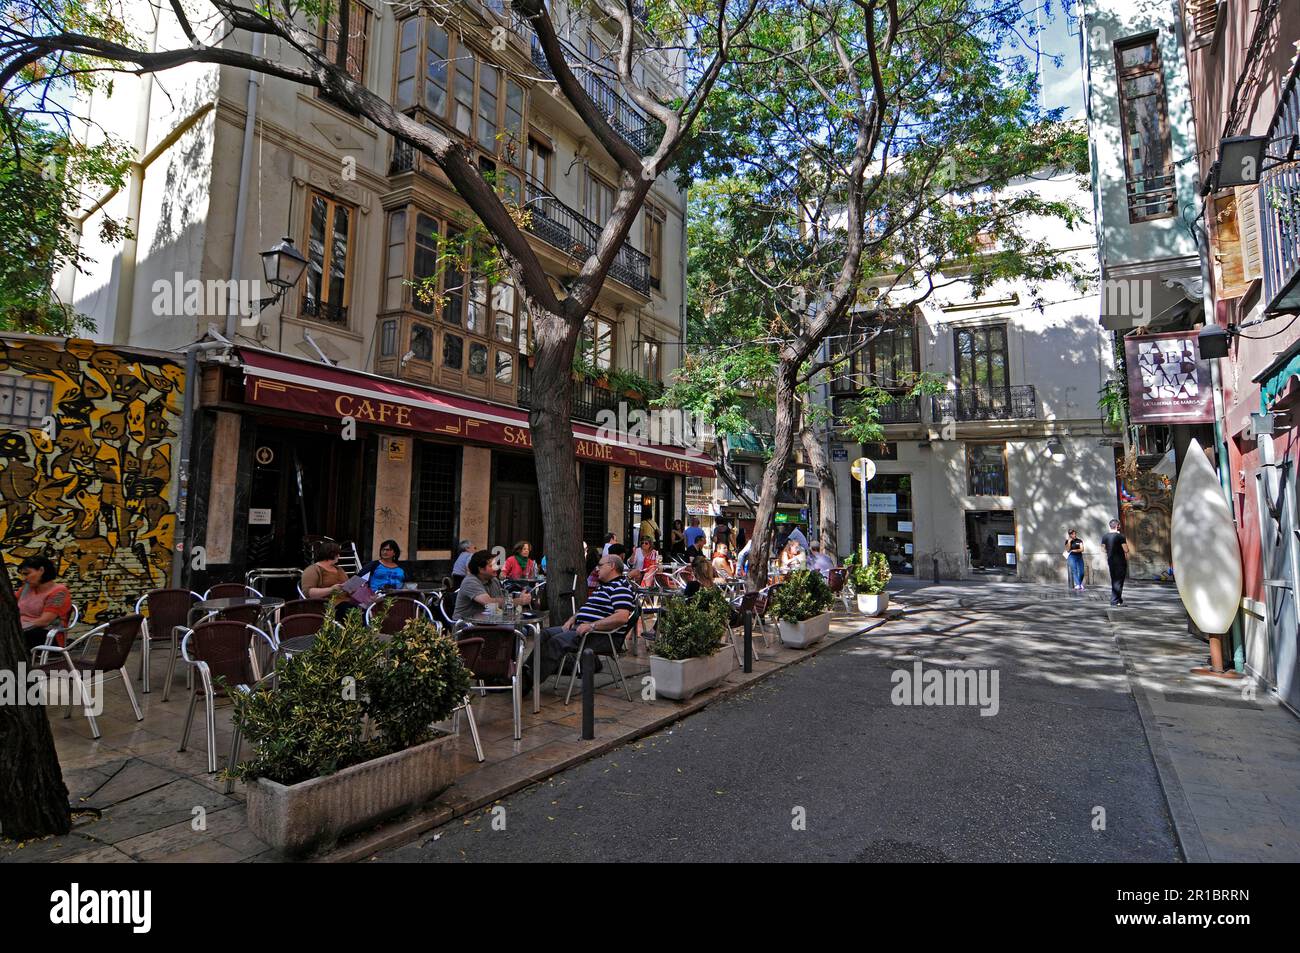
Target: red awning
[[287, 383]]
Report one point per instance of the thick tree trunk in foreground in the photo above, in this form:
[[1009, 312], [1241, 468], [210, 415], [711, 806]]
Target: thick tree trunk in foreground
[[33, 797], [815, 453], [783, 436], [549, 420]]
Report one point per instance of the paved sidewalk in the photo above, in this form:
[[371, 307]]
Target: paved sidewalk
[[1227, 753], [143, 800]]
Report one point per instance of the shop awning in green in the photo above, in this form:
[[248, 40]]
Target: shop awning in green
[[750, 443], [1274, 379]]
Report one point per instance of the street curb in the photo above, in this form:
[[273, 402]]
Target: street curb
[[1188, 832], [405, 831]]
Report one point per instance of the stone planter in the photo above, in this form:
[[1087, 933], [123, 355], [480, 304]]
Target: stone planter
[[800, 635], [873, 603], [682, 678], [295, 818]]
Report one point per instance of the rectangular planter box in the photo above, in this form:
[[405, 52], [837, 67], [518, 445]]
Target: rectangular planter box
[[800, 635], [683, 678], [873, 604], [298, 817]]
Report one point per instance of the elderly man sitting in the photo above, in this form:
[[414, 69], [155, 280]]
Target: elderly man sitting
[[608, 608]]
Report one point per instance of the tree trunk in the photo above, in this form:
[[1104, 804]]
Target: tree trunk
[[783, 434], [33, 797], [550, 422], [815, 452]]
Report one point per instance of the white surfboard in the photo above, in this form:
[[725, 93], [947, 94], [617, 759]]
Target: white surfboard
[[1207, 555]]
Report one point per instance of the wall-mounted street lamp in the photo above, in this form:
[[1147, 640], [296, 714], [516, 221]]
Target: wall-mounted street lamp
[[1213, 341], [283, 267], [1243, 158]]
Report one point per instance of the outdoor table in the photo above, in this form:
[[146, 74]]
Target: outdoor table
[[300, 644], [267, 604]]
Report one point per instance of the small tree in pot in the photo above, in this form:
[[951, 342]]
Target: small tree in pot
[[869, 583], [802, 607], [686, 657]]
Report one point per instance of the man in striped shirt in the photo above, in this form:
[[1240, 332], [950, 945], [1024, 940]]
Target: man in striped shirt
[[606, 609]]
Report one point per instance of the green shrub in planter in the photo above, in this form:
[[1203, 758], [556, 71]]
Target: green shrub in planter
[[802, 596], [691, 628], [871, 579], [311, 723]]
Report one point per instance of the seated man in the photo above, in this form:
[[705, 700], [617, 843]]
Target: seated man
[[820, 561], [481, 587], [606, 609]]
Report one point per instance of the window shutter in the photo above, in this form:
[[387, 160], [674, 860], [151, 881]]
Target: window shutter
[[1248, 226], [1202, 17]]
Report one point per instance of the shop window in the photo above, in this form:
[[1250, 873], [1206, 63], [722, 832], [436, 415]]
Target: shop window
[[986, 469], [329, 243], [437, 497], [595, 495]]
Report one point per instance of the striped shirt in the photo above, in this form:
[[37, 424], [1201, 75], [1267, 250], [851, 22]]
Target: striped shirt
[[605, 601]]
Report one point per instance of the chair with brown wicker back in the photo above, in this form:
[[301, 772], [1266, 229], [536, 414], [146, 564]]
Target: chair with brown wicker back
[[303, 607], [398, 613], [232, 590], [495, 651], [165, 611], [220, 649], [115, 641]]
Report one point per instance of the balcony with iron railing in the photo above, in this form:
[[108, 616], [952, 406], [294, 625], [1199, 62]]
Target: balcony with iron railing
[[1279, 199], [589, 398], [626, 118], [574, 234], [1151, 197], [986, 403], [901, 409]]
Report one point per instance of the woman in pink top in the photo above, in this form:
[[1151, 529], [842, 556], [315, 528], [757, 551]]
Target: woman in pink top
[[518, 565], [42, 602]]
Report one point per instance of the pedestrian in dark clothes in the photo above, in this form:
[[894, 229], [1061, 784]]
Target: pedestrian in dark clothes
[[1116, 561]]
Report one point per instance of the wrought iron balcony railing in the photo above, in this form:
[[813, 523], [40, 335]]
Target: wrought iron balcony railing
[[900, 410], [626, 118], [987, 403], [588, 398], [1151, 197], [575, 234]]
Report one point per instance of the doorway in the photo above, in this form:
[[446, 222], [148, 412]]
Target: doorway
[[516, 504], [646, 496], [991, 540]]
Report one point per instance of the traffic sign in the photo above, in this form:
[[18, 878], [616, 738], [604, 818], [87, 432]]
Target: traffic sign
[[863, 465]]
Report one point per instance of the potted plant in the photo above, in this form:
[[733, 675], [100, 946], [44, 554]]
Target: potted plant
[[687, 656], [345, 738], [869, 583], [802, 607]]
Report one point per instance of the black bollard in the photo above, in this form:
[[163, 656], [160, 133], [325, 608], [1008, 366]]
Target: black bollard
[[588, 694], [749, 641], [935, 559]]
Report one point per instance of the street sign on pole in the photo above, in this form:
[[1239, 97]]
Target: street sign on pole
[[863, 470]]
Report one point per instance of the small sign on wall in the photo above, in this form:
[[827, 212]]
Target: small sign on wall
[[259, 517], [1006, 540], [396, 450], [904, 526], [1011, 559]]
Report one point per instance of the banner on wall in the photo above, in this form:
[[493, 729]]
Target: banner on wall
[[1167, 380]]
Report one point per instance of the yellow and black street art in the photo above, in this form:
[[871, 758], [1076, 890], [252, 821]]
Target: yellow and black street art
[[89, 436]]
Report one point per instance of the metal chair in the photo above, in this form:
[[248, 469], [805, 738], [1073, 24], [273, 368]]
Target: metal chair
[[349, 558], [495, 652], [302, 607], [837, 579], [57, 632], [231, 590], [620, 633], [399, 612], [115, 641], [166, 610], [743, 605], [296, 626], [444, 607], [220, 648]]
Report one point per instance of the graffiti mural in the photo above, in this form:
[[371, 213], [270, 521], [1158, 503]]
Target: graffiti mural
[[89, 436]]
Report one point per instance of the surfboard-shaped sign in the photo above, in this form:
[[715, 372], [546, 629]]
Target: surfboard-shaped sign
[[1207, 556]]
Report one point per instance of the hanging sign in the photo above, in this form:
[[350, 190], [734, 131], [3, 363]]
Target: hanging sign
[[1167, 380]]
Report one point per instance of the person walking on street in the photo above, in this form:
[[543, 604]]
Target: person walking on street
[[1074, 559], [1116, 561]]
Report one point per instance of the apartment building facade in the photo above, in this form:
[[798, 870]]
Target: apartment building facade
[[985, 479], [387, 395]]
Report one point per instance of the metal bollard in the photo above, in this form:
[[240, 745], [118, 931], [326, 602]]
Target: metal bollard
[[588, 694], [749, 642], [935, 559]]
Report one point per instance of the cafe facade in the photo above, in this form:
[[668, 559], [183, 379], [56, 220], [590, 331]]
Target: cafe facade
[[287, 451]]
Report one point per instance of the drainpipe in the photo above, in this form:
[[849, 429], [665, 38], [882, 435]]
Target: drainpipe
[[241, 195], [134, 196]]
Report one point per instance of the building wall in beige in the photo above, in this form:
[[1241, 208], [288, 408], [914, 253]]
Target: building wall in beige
[[221, 500], [475, 495], [393, 491]]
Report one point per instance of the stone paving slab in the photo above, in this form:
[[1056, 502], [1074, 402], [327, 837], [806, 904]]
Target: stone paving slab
[[146, 792]]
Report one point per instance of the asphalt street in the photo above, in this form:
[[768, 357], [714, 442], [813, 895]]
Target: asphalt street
[[819, 763]]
